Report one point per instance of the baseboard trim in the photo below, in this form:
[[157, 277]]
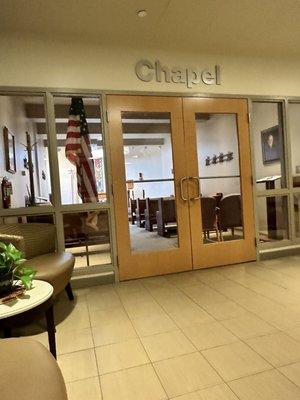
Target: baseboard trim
[[286, 251], [83, 281]]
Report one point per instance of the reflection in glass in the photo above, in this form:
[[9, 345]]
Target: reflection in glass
[[294, 121], [149, 181], [80, 150], [34, 235], [87, 237], [24, 161], [266, 123], [272, 218], [297, 214], [219, 175]]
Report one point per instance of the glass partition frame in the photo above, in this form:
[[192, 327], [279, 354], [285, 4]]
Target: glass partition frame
[[287, 190], [57, 209], [293, 191]]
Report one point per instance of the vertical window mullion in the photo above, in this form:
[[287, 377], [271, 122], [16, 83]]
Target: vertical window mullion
[[52, 146]]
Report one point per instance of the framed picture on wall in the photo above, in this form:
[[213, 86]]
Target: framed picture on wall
[[271, 144], [9, 150]]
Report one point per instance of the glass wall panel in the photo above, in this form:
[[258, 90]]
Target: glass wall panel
[[297, 214], [219, 175], [294, 125], [272, 218], [266, 121], [149, 181], [34, 235], [24, 161], [80, 150], [87, 237]]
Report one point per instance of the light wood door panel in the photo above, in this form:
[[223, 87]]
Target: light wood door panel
[[227, 252], [147, 263]]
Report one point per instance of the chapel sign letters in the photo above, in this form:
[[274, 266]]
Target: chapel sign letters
[[148, 71]]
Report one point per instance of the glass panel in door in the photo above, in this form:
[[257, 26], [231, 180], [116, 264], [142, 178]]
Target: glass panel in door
[[219, 177], [148, 156]]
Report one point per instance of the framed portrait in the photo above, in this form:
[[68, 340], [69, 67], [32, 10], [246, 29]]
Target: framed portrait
[[9, 150], [271, 144]]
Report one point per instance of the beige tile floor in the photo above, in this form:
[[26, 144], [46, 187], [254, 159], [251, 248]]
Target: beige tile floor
[[220, 334]]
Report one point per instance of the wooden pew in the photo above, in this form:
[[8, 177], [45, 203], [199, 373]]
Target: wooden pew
[[209, 216], [133, 205], [150, 213], [166, 217], [140, 212]]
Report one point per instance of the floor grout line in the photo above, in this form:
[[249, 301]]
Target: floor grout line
[[159, 301], [243, 341], [95, 355], [285, 376], [189, 339], [142, 344], [239, 339], [180, 329]]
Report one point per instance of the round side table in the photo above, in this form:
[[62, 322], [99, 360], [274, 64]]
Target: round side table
[[27, 307]]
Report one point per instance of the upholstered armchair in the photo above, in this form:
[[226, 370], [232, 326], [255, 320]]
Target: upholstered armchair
[[28, 371], [37, 241]]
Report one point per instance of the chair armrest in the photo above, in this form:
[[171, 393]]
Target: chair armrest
[[29, 372]]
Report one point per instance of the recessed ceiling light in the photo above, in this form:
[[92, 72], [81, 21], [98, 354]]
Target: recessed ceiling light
[[141, 13]]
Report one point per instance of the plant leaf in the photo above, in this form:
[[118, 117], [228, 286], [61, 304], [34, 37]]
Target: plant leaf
[[11, 260], [25, 274], [26, 281], [20, 262], [10, 247]]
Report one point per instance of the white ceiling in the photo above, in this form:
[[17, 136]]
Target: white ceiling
[[253, 27]]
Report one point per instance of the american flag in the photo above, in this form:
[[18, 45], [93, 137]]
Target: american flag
[[78, 152]]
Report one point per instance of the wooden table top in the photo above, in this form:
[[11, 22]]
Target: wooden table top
[[40, 292]]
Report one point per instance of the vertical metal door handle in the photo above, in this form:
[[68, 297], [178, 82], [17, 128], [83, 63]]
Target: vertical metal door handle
[[185, 178], [196, 178]]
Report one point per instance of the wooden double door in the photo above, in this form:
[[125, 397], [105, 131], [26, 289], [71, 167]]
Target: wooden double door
[[182, 184]]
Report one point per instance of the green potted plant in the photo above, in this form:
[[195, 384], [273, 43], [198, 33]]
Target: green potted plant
[[12, 268]]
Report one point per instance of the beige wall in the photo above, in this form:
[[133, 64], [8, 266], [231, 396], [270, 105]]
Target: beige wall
[[28, 61]]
